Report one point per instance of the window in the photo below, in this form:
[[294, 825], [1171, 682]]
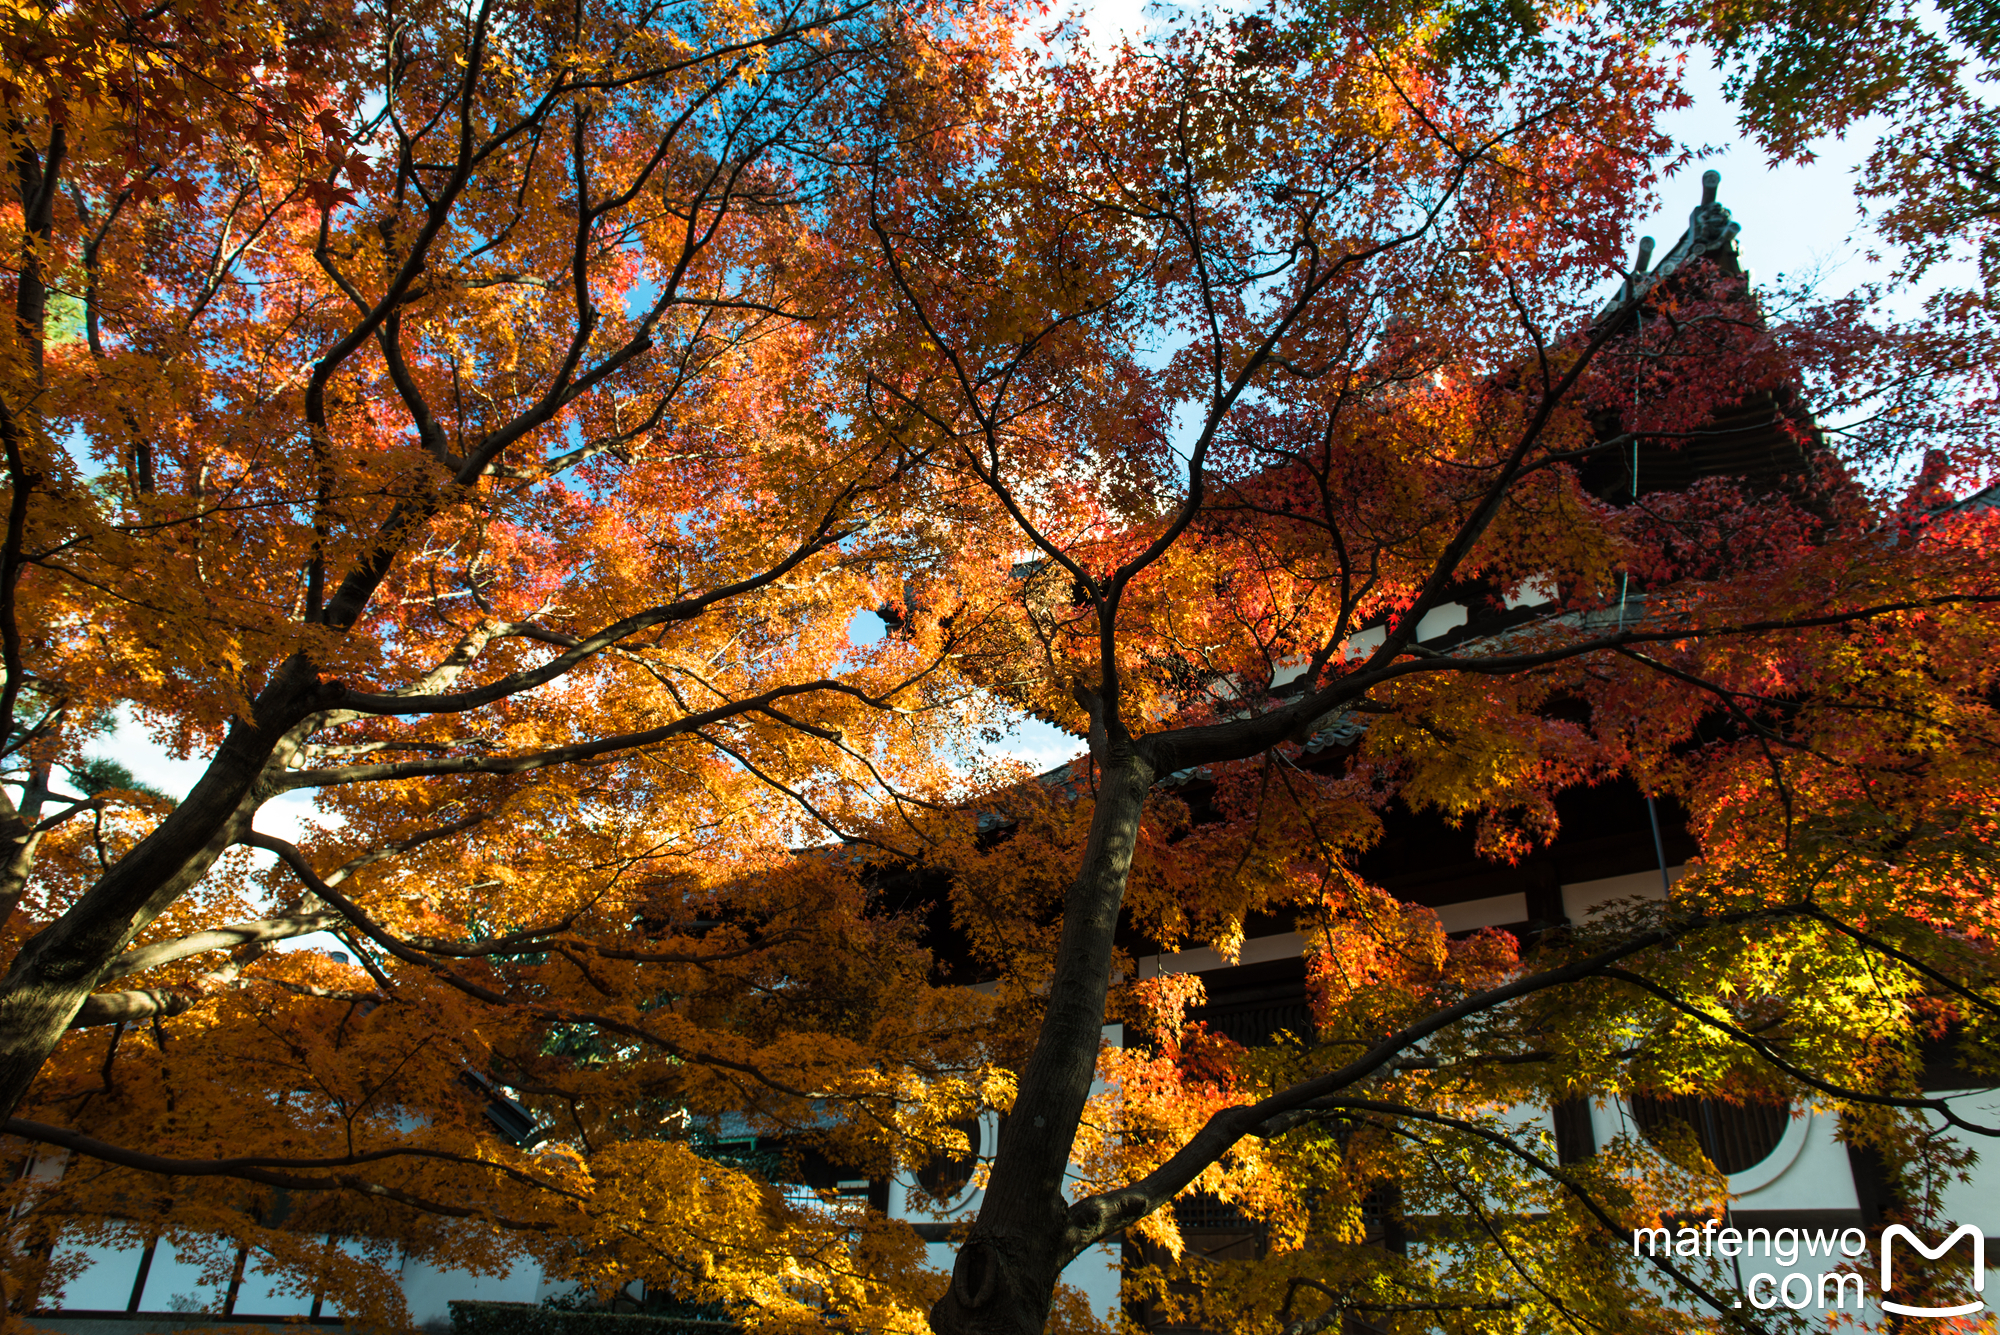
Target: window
[[1735, 1136], [944, 1177]]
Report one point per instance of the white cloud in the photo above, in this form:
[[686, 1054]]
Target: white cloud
[[151, 764], [1035, 743]]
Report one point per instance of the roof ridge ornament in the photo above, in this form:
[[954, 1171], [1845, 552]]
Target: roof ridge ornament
[[1708, 222], [1710, 232], [1639, 267]]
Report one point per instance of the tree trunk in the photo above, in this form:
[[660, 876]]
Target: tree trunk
[[1005, 1276], [58, 967]]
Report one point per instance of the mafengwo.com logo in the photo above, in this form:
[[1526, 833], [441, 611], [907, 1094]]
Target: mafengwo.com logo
[[1831, 1286]]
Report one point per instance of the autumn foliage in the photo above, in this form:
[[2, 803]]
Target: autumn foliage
[[443, 418], [487, 427]]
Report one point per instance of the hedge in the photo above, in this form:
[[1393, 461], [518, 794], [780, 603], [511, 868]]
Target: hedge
[[480, 1318]]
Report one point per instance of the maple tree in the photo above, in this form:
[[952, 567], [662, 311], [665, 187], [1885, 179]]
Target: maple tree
[[1910, 76], [1273, 342], [489, 421], [438, 414], [1800, 72]]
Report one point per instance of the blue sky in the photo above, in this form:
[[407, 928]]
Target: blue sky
[[1796, 219]]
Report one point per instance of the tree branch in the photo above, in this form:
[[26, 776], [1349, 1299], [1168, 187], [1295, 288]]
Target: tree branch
[[141, 958], [1097, 1216], [267, 1171]]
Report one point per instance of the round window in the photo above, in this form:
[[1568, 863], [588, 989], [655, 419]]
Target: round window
[[1735, 1136], [947, 1175]]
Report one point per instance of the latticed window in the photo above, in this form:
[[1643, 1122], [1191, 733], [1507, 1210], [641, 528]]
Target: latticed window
[[1735, 1136], [946, 1176], [1206, 1213]]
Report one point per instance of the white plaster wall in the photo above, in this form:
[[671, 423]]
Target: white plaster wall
[[428, 1289], [1285, 945], [176, 1273], [261, 1293], [1582, 899], [1978, 1201], [1534, 1130], [1492, 911], [1098, 1272], [1489, 912], [390, 1257], [1811, 1167], [105, 1284], [1532, 593], [1819, 1176], [1101, 1276], [1445, 617]]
